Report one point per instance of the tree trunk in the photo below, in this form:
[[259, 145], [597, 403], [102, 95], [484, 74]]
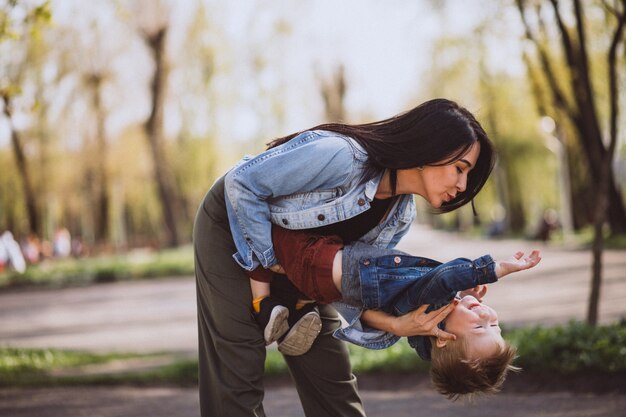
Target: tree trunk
[[600, 214], [582, 112], [154, 127], [102, 200], [333, 92], [34, 220], [599, 219]]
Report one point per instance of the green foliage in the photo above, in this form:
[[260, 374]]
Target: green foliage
[[275, 363], [562, 350], [572, 348], [136, 265], [34, 365], [398, 358]]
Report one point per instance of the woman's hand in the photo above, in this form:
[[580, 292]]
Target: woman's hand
[[415, 323], [420, 323], [517, 262]]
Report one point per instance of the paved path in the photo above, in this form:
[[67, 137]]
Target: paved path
[[159, 315], [283, 402]]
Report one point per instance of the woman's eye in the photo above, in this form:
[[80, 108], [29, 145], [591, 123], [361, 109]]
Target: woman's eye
[[459, 170], [478, 327]]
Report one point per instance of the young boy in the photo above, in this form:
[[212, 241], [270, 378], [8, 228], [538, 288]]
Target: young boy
[[360, 277]]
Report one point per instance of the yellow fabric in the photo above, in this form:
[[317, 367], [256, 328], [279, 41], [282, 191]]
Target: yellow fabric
[[256, 303]]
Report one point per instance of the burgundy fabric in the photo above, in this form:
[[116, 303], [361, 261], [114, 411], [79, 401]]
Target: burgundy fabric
[[261, 274], [308, 262]]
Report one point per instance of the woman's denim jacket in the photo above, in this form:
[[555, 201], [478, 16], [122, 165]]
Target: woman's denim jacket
[[315, 179], [397, 283]]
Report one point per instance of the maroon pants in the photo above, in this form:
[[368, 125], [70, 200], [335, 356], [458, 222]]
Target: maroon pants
[[308, 262]]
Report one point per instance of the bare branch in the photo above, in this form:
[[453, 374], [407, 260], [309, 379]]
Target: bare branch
[[613, 87], [565, 36], [558, 96]]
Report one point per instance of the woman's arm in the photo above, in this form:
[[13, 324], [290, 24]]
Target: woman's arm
[[415, 323], [306, 163]]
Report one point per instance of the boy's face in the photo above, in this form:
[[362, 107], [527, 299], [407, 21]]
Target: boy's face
[[477, 323]]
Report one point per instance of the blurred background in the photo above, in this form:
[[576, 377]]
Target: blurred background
[[116, 117]]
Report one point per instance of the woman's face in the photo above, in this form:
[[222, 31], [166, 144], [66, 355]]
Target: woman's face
[[438, 184]]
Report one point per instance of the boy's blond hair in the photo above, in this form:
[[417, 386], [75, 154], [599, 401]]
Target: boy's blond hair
[[454, 376]]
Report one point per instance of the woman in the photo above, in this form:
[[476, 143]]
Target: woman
[[325, 178]]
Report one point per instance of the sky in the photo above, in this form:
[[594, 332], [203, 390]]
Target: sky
[[385, 48]]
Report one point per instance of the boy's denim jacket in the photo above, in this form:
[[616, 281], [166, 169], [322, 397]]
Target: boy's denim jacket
[[397, 283], [315, 179]]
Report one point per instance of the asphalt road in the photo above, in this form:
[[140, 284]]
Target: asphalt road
[[159, 315]]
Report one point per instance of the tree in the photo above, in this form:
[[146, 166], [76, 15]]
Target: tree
[[19, 34], [154, 31], [574, 102], [333, 91], [600, 213]]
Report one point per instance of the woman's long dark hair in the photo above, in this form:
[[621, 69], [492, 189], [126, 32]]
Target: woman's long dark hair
[[437, 132]]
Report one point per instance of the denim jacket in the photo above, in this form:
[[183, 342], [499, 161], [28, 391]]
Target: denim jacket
[[397, 283], [315, 179]]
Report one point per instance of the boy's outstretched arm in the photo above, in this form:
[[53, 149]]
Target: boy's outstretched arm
[[517, 262]]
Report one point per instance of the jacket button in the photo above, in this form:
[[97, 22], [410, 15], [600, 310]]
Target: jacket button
[[361, 202], [366, 262], [397, 260], [285, 221], [321, 217]]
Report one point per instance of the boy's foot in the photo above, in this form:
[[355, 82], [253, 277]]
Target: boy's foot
[[272, 318], [304, 326]]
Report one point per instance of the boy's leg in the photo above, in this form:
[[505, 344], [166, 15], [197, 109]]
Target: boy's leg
[[231, 345], [268, 312], [304, 321], [308, 262], [323, 376]]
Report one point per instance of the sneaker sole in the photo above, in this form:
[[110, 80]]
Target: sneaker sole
[[300, 338], [277, 324]]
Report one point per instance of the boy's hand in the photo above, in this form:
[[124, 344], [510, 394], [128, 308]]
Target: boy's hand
[[517, 262], [277, 268], [477, 292]]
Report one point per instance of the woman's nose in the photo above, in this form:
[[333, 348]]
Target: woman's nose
[[461, 183]]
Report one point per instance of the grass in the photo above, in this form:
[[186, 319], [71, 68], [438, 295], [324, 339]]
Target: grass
[[142, 264], [83, 271], [562, 350]]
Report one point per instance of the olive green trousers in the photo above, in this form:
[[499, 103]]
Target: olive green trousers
[[231, 346]]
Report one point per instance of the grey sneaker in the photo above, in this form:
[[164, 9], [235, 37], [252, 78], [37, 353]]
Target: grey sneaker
[[273, 319], [305, 325]]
